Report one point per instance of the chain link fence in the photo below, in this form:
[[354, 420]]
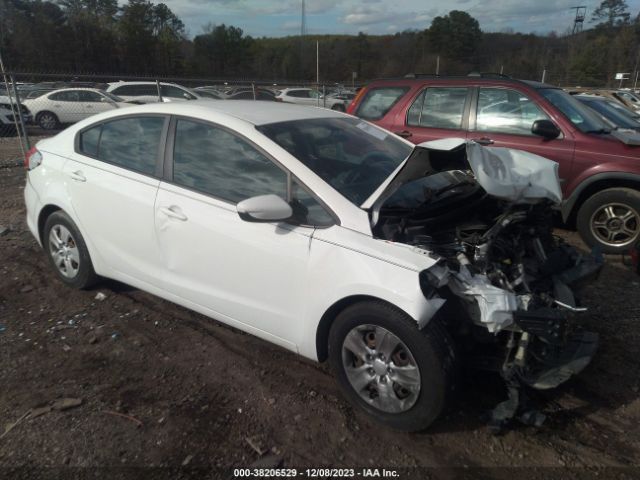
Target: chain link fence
[[36, 105]]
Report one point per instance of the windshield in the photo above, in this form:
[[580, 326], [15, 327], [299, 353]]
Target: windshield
[[607, 110], [351, 155], [584, 119]]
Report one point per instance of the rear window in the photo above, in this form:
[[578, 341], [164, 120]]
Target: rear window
[[378, 101]]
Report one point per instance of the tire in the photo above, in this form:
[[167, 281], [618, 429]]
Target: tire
[[610, 220], [47, 120], [69, 258], [429, 349]]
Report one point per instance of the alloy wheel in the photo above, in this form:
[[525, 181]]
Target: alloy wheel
[[64, 251], [47, 121], [615, 225]]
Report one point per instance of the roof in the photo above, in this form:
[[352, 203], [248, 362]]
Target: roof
[[251, 111], [489, 79], [149, 82]]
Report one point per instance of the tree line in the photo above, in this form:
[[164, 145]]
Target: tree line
[[142, 38]]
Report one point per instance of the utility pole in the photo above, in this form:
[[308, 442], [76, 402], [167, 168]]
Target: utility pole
[[438, 65], [303, 28]]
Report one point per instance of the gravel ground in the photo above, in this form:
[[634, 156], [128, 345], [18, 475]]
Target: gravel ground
[[164, 392]]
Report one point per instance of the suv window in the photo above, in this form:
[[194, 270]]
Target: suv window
[[299, 93], [174, 92], [438, 107], [216, 162], [378, 101], [505, 110], [130, 143], [137, 90]]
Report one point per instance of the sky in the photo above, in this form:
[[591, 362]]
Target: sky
[[277, 18]]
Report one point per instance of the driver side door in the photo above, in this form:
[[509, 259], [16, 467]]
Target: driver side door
[[250, 275]]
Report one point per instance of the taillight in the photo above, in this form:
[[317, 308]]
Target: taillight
[[32, 159]]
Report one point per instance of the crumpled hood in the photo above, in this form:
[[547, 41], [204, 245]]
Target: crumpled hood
[[505, 173]]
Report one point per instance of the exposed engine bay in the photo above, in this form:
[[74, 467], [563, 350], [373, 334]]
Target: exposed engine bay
[[506, 280]]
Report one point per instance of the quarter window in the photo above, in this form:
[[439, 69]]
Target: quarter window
[[438, 107], [378, 101], [307, 210], [89, 141], [504, 110], [216, 162]]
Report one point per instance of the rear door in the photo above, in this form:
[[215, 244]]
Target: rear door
[[93, 102], [113, 181], [66, 105], [436, 112], [503, 117]]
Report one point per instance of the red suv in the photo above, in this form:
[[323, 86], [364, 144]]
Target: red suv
[[599, 168]]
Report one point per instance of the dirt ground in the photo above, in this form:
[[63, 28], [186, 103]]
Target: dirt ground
[[165, 391]]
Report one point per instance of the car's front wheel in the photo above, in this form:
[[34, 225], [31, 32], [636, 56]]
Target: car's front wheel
[[610, 220], [67, 251], [400, 375]]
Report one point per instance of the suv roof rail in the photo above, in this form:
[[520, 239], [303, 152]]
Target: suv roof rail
[[421, 75], [487, 75]]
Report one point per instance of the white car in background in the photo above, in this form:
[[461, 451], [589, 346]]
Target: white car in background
[[311, 97], [8, 109], [147, 92], [70, 105], [326, 235]]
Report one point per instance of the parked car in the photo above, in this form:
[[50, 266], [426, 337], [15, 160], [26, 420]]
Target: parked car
[[599, 166], [209, 92], [300, 96], [326, 235], [147, 92], [70, 105], [340, 101], [613, 112], [8, 123], [623, 97], [250, 94]]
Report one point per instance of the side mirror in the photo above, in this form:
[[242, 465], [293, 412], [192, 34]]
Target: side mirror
[[264, 208], [546, 129]]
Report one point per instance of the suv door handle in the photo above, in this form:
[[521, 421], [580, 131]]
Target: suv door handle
[[78, 176], [174, 212], [404, 134], [484, 141]]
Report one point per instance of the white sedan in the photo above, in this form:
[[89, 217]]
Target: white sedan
[[326, 235], [70, 105]]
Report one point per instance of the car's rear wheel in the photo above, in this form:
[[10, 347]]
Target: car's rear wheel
[[400, 375], [67, 251], [47, 120], [610, 220]]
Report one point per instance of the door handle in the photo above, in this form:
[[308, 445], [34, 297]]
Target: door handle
[[484, 141], [78, 176], [174, 212], [404, 134]]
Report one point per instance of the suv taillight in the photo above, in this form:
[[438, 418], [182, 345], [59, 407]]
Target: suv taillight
[[32, 159]]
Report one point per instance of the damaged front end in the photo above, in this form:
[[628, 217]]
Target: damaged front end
[[509, 283]]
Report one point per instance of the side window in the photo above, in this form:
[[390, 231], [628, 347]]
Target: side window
[[87, 96], [378, 101], [306, 209], [504, 110], [132, 143], [299, 93], [438, 107], [89, 141], [68, 96], [214, 161], [174, 92], [124, 90]]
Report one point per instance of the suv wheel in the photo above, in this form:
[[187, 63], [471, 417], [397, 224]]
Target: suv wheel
[[400, 375], [67, 251], [610, 219]]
